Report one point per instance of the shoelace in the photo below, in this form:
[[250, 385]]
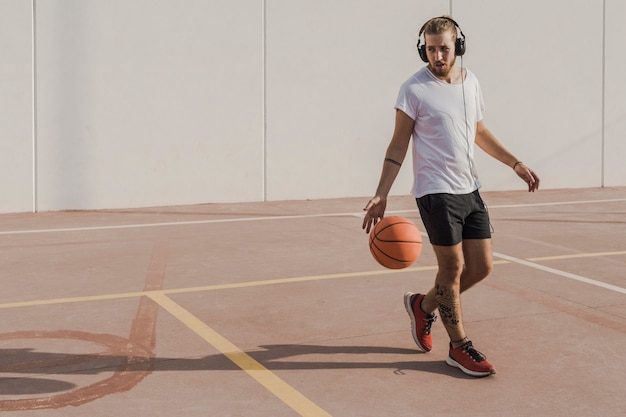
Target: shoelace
[[429, 319], [476, 355]]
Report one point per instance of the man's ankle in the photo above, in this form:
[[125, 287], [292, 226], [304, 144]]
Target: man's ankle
[[458, 343], [429, 312]]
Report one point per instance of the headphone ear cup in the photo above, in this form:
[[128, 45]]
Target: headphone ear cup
[[421, 50], [459, 47]]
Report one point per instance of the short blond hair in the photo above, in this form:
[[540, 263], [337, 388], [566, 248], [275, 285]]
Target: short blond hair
[[438, 25]]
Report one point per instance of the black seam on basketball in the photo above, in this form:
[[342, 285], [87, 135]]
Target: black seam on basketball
[[378, 232], [392, 224], [380, 251], [377, 242], [405, 261]]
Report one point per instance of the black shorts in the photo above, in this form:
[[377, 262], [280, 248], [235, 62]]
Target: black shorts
[[450, 218]]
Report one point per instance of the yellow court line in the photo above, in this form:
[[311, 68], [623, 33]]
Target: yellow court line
[[295, 279], [68, 300], [278, 281], [576, 255], [285, 392]]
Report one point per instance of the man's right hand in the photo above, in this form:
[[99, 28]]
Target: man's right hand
[[375, 210]]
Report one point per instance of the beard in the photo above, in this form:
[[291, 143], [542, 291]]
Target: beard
[[441, 69]]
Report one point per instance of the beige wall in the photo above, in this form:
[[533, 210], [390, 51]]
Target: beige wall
[[615, 96], [16, 156], [166, 102]]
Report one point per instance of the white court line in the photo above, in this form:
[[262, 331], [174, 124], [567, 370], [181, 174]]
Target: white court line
[[559, 203], [264, 218], [164, 224], [561, 273]]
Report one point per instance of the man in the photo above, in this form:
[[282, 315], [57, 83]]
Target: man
[[441, 108]]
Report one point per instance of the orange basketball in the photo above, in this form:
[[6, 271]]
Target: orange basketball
[[395, 242]]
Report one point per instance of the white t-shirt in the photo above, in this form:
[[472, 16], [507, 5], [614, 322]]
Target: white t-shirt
[[443, 137]]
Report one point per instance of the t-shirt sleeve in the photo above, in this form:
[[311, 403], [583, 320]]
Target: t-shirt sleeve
[[407, 100]]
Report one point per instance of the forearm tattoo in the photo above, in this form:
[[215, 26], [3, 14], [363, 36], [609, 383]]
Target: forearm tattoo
[[448, 304]]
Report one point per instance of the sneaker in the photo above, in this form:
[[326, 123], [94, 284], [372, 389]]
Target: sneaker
[[420, 321], [470, 361]]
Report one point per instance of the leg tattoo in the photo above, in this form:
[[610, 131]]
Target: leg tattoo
[[449, 306]]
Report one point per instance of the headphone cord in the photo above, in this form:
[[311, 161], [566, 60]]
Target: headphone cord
[[469, 158]]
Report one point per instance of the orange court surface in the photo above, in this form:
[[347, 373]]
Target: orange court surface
[[278, 309]]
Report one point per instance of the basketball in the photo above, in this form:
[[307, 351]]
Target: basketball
[[395, 242]]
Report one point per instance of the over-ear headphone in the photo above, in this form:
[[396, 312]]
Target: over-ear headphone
[[459, 45]]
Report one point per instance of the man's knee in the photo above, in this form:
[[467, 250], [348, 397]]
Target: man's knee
[[480, 270], [478, 258], [449, 272], [450, 264]]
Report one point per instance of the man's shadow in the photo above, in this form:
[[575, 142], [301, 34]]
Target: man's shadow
[[27, 361]]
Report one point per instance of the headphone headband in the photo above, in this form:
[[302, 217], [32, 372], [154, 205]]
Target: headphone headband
[[459, 45]]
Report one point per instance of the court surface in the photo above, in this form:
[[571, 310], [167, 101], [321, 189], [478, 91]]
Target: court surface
[[277, 309]]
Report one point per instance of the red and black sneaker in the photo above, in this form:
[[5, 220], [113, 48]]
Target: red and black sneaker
[[470, 361], [421, 322]]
